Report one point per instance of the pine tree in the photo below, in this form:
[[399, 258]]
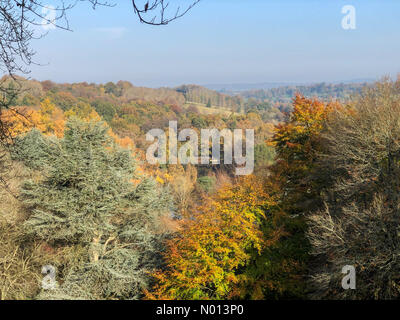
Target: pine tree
[[11, 94], [88, 198]]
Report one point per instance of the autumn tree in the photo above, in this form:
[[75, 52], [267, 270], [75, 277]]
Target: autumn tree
[[83, 111], [359, 222], [205, 260], [48, 119], [297, 143]]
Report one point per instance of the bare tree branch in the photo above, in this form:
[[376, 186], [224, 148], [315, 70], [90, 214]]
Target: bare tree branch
[[22, 21], [155, 12]]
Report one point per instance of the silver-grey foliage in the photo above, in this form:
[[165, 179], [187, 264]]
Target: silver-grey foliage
[[87, 199]]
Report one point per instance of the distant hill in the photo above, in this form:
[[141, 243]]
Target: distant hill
[[275, 102], [323, 91], [272, 101], [201, 95], [237, 88], [124, 91]]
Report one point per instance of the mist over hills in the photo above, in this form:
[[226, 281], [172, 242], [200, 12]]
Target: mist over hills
[[237, 87], [322, 91], [233, 88]]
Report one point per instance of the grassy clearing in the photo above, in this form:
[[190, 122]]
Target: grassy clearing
[[203, 109]]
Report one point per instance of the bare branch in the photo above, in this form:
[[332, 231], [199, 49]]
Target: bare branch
[[155, 12]]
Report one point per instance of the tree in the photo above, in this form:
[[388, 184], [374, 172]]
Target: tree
[[359, 223], [297, 143], [18, 19], [145, 15], [91, 199], [11, 94], [207, 183], [182, 181], [48, 119], [104, 109], [207, 257], [83, 111], [264, 156]]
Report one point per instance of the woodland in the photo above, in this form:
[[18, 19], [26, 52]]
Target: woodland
[[77, 194], [83, 215]]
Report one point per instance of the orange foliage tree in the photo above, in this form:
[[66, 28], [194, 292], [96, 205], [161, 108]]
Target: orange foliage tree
[[50, 120], [205, 259], [297, 142], [47, 118]]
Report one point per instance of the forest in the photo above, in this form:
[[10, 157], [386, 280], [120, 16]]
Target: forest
[[78, 198]]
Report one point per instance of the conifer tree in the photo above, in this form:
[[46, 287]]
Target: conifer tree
[[90, 198]]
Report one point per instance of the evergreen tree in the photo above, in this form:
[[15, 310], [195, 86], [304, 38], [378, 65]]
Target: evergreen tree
[[91, 198], [11, 95]]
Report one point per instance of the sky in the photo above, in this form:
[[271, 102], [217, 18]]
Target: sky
[[225, 41]]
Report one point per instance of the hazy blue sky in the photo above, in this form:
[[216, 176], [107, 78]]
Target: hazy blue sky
[[226, 41]]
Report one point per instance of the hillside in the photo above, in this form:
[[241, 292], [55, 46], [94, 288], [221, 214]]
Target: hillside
[[207, 97], [126, 92], [323, 91]]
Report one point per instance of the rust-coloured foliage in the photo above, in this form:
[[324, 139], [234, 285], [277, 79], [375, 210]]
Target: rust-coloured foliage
[[205, 259]]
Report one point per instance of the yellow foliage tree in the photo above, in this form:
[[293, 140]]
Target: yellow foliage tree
[[205, 257], [47, 118], [83, 111]]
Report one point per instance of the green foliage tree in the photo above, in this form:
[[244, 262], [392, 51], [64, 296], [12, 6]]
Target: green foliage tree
[[104, 109], [11, 95], [111, 88], [280, 270], [264, 155], [91, 198], [207, 183]]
